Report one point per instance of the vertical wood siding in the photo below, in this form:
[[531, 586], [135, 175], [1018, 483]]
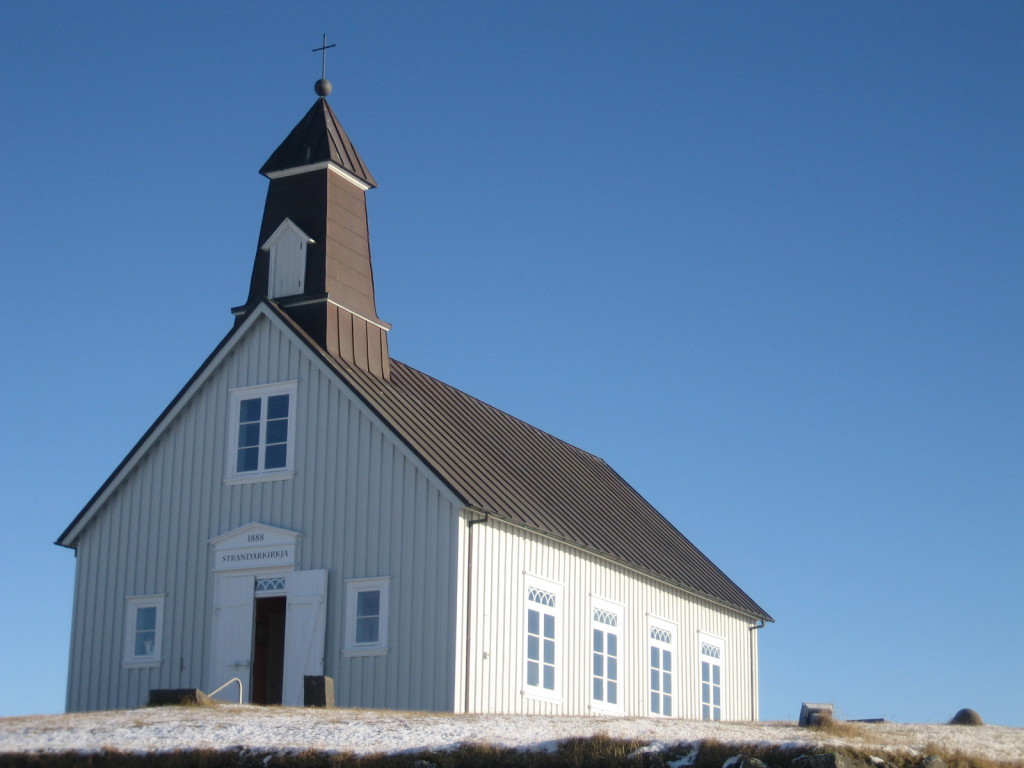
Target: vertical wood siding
[[504, 556], [364, 505]]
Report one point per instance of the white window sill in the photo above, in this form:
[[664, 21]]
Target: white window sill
[[377, 651], [142, 663], [258, 478], [542, 694], [606, 709]]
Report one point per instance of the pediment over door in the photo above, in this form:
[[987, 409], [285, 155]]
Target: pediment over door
[[255, 546]]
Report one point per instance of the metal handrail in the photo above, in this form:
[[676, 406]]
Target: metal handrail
[[229, 682]]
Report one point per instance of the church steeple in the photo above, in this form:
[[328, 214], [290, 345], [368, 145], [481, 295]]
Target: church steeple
[[313, 256]]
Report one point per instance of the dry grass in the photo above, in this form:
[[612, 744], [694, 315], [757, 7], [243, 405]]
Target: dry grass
[[597, 752], [838, 728]]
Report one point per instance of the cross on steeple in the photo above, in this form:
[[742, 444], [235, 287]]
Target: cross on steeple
[[323, 49]]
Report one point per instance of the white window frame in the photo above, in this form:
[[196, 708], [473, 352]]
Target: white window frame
[[707, 663], [554, 612], [353, 587], [133, 605], [656, 626], [263, 392], [599, 606]]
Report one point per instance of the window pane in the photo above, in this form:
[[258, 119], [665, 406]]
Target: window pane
[[716, 697], [532, 673], [367, 629], [277, 407], [368, 603], [705, 693], [598, 641], [655, 661], [705, 712], [613, 644], [655, 701], [145, 618], [533, 648], [549, 678], [277, 456], [613, 696], [667, 709], [277, 431], [716, 675], [655, 680], [613, 669], [248, 460], [145, 643], [549, 651], [666, 660], [249, 410], [549, 626], [666, 684], [598, 689], [533, 622], [248, 434], [598, 664], [705, 673]]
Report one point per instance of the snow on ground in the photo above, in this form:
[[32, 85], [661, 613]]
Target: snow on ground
[[279, 729]]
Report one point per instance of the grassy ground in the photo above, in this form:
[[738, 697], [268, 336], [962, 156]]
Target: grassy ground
[[597, 752], [245, 737]]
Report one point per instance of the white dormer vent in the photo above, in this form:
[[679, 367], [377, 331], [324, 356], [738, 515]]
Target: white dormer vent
[[287, 249]]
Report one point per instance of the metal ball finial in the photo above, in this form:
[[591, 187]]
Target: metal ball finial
[[323, 87]]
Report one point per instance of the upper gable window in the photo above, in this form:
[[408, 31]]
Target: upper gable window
[[262, 443], [287, 262]]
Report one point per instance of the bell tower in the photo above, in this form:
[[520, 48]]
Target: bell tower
[[313, 254]]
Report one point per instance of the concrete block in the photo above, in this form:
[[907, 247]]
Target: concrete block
[[814, 714], [163, 697], [319, 691]]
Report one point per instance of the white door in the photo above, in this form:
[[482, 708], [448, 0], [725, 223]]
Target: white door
[[231, 646], [304, 631]]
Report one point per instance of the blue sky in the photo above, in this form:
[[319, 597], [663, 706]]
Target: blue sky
[[763, 258]]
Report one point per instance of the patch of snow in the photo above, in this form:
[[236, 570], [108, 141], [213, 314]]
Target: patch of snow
[[654, 746], [688, 759], [364, 732]]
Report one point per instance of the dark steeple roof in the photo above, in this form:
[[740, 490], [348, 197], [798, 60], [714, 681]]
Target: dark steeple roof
[[318, 186], [318, 138]]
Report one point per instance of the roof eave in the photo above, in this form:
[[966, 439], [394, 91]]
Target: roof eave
[[758, 614]]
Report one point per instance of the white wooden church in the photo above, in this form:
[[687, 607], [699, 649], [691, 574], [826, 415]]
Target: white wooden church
[[309, 506]]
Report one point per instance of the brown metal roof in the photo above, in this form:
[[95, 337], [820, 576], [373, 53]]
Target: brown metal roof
[[504, 466], [318, 137]]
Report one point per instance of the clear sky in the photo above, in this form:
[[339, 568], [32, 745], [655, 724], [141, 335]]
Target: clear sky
[[763, 258]]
